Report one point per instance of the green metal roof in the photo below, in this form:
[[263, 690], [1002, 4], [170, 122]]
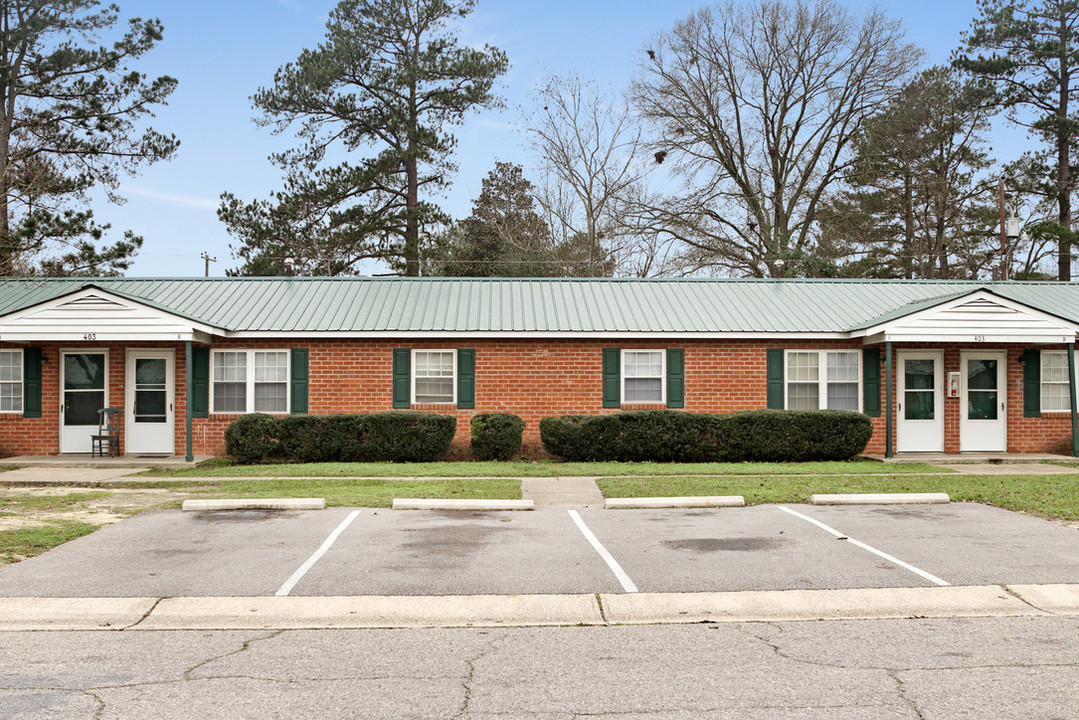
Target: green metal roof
[[408, 305]]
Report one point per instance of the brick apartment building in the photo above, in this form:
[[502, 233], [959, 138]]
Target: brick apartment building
[[940, 366]]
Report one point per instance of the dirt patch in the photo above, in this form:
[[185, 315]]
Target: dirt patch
[[22, 507]]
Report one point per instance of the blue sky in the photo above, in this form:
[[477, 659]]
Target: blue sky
[[223, 51]]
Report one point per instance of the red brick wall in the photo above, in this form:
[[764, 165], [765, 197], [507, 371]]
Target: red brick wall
[[532, 378]]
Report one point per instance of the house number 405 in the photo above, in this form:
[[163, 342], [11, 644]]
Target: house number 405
[[90, 336]]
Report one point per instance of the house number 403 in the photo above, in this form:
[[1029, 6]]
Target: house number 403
[[979, 338], [90, 336]]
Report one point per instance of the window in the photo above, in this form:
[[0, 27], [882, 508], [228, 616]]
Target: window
[[11, 381], [434, 376], [250, 381], [1056, 395], [837, 388], [642, 376]]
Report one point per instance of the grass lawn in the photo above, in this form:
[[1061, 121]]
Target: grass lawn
[[346, 491], [1055, 496], [30, 541], [217, 468]]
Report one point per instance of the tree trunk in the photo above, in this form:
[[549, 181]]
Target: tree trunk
[[1064, 266]]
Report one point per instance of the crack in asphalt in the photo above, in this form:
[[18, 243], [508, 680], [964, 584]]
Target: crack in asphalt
[[246, 644], [901, 690], [466, 682]]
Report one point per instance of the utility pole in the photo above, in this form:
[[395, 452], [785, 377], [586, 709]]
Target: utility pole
[[1003, 236], [206, 256]]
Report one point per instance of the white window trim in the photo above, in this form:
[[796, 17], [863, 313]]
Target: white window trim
[[662, 377], [1042, 382], [413, 376], [250, 394], [21, 382], [822, 376]]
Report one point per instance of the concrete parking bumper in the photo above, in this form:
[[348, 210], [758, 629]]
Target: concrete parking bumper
[[441, 504], [709, 501], [880, 499]]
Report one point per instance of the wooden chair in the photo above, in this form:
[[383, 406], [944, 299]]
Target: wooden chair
[[107, 438]]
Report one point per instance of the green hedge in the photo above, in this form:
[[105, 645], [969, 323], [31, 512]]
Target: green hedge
[[394, 436], [496, 436], [675, 436]]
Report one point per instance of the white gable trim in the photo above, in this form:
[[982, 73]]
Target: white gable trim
[[979, 317], [96, 315]]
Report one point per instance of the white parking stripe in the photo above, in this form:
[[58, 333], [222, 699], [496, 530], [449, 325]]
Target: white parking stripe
[[619, 573], [296, 576], [886, 556]]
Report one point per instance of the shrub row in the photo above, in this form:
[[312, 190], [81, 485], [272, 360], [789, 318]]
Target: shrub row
[[394, 436], [496, 436], [676, 436]]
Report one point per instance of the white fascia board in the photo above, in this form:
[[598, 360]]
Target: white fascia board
[[894, 328], [537, 335]]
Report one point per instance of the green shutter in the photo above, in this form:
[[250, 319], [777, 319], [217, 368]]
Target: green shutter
[[200, 382], [1032, 383], [775, 378], [402, 378], [612, 378], [466, 378], [299, 381], [31, 382], [871, 382], [676, 378]]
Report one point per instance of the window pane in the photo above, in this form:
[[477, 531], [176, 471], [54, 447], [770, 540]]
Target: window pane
[[271, 367], [150, 406], [434, 364], [150, 372], [843, 366], [802, 367], [843, 396], [434, 390], [919, 375], [230, 367], [230, 397], [1056, 396], [643, 363], [10, 367], [803, 396], [644, 390], [80, 408], [981, 374], [919, 405], [84, 372], [1054, 367], [271, 397], [982, 404], [11, 397]]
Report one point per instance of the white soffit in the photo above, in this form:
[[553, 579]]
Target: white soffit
[[976, 318], [95, 315]]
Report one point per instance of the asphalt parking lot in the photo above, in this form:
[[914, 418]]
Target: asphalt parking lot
[[348, 552]]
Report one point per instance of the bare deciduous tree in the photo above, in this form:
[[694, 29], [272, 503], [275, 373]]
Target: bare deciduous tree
[[754, 106], [589, 171]]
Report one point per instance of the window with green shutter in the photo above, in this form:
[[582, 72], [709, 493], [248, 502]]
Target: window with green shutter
[[1032, 383], [774, 372], [200, 382]]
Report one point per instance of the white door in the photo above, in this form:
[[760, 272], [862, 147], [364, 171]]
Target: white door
[[84, 386], [150, 422], [920, 411], [984, 419]]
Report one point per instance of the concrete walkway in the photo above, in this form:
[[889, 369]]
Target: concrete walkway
[[562, 491]]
